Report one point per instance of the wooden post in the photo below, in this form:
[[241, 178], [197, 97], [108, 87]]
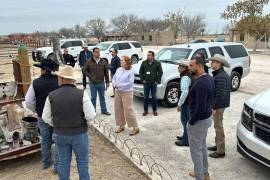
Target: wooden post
[[23, 60]]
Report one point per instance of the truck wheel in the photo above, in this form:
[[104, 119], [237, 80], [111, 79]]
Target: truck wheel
[[172, 95], [235, 80], [134, 59], [50, 56]]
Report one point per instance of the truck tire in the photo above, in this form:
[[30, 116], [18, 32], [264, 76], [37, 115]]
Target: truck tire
[[172, 95], [235, 80], [134, 59], [50, 56]]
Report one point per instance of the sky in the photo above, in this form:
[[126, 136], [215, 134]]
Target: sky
[[46, 15]]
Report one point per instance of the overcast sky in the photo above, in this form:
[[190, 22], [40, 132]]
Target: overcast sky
[[45, 15]]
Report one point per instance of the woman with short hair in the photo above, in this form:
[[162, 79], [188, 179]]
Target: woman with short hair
[[123, 81]]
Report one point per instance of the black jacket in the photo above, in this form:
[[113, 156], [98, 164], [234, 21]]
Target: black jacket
[[43, 85], [115, 64], [69, 60], [222, 89], [151, 73]]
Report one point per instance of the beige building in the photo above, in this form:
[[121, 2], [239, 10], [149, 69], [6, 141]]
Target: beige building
[[164, 38], [249, 41]]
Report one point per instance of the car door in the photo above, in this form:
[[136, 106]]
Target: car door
[[76, 47], [124, 49], [202, 50]]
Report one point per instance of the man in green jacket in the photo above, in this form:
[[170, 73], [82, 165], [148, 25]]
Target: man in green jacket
[[150, 74]]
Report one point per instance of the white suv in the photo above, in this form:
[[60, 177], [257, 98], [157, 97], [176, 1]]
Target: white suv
[[74, 47], [253, 130], [132, 49], [168, 90]]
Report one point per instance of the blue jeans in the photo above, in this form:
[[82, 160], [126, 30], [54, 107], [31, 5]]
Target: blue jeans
[[146, 91], [184, 120], [79, 145], [100, 89], [46, 132]]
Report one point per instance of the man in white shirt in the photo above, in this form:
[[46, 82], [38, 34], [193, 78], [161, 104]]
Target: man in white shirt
[[69, 110]]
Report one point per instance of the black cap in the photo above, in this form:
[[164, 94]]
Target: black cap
[[47, 65]]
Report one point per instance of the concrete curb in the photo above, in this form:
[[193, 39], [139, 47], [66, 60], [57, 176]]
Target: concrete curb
[[125, 153]]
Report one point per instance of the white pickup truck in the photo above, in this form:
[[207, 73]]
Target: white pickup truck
[[74, 47]]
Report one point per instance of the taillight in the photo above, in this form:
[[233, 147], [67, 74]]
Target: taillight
[[249, 60]]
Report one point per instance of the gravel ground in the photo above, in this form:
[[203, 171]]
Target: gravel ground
[[105, 164]]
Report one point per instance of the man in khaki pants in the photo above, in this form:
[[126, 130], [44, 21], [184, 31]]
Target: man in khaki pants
[[221, 101]]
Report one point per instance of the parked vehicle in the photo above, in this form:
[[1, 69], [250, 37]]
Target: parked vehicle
[[74, 47], [132, 49], [198, 41], [168, 90], [253, 130]]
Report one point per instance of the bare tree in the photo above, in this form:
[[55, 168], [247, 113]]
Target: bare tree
[[57, 54], [193, 25], [126, 24], [79, 31], [174, 21], [96, 27], [66, 32]]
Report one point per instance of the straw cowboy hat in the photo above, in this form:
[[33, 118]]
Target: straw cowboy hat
[[47, 64], [184, 63], [68, 72], [84, 45], [221, 59]]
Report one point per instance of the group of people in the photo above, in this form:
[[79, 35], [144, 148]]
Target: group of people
[[64, 111], [203, 99]]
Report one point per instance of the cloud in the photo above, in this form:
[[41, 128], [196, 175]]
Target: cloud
[[32, 15]]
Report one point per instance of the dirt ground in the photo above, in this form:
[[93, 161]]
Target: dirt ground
[[105, 164]]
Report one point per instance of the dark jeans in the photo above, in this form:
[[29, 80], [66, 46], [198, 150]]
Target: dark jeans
[[184, 120], [84, 79], [80, 146], [46, 132], [147, 88], [100, 89]]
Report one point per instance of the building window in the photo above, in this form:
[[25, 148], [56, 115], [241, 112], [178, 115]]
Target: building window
[[242, 37], [142, 38], [150, 38]]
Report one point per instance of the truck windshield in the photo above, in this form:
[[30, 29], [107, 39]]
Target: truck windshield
[[103, 46], [172, 54]]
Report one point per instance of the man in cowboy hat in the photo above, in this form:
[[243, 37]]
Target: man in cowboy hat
[[84, 56], [69, 110], [221, 101], [35, 100], [183, 103]]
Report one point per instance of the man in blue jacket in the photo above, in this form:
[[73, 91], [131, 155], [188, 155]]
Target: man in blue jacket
[[201, 104], [115, 64], [84, 56]]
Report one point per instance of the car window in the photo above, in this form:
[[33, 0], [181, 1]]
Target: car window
[[76, 43], [103, 46], [215, 50], [203, 51], [115, 46], [67, 44], [172, 54], [136, 44], [123, 46], [236, 51]]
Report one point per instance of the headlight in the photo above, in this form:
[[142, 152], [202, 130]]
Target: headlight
[[247, 117]]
